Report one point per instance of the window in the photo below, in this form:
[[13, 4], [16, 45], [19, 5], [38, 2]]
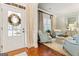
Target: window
[[46, 22]]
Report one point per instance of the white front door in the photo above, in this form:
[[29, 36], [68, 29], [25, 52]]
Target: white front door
[[13, 28]]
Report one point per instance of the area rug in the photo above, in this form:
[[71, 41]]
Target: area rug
[[57, 47]]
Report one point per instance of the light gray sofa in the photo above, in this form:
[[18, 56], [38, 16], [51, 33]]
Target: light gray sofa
[[44, 37], [72, 45]]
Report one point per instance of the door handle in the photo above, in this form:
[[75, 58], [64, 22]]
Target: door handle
[[1, 46], [23, 30], [1, 28]]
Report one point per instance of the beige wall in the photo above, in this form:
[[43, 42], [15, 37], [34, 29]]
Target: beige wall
[[32, 24]]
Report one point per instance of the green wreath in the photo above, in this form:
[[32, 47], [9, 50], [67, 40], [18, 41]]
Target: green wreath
[[10, 20]]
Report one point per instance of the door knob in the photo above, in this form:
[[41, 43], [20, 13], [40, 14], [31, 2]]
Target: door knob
[[23, 30]]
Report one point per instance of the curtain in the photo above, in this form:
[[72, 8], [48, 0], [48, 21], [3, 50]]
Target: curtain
[[53, 23], [40, 22], [46, 22]]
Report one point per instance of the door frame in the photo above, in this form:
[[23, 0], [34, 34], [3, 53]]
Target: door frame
[[1, 32]]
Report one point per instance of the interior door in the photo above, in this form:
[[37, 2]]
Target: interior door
[[13, 28]]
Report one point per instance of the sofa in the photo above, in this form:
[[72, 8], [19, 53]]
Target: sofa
[[71, 44]]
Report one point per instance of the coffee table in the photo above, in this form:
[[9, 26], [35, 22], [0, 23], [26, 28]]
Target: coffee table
[[60, 39]]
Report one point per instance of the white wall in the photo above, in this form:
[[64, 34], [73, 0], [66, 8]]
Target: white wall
[[32, 22], [61, 22], [35, 30]]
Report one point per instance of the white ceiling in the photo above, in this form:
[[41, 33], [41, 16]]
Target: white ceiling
[[59, 8]]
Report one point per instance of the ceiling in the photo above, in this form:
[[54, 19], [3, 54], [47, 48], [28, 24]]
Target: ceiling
[[59, 8]]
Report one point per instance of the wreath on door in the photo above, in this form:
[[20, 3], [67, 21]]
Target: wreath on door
[[11, 22]]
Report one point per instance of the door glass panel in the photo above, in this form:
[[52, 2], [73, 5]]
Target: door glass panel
[[14, 24], [10, 29]]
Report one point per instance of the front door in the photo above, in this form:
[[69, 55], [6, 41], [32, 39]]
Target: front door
[[13, 28]]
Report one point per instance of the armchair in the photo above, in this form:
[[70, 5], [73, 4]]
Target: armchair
[[44, 37]]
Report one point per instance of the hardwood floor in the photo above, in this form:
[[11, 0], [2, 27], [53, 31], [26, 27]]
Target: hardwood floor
[[42, 50], [15, 52]]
